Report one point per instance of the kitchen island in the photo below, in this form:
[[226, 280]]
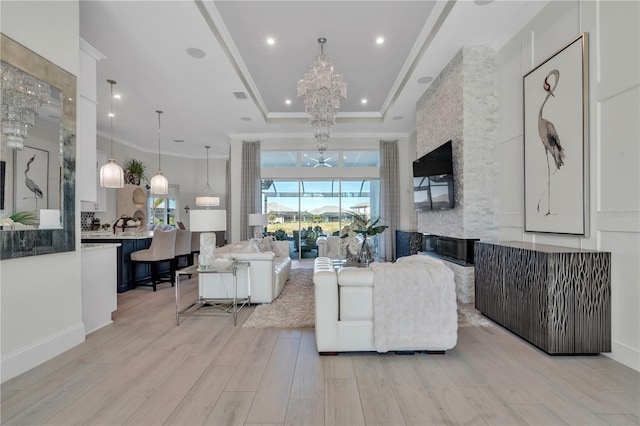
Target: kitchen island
[[98, 272], [129, 242]]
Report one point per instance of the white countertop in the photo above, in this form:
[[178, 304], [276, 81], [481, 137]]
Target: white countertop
[[108, 235], [96, 246]]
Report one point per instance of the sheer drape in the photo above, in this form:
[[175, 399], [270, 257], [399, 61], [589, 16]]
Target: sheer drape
[[389, 199], [250, 191], [227, 200]]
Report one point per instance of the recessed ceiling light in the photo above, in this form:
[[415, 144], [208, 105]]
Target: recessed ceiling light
[[380, 40], [271, 41], [363, 101], [245, 118], [70, 99], [398, 117], [111, 114], [117, 96], [288, 101], [425, 80], [196, 53]]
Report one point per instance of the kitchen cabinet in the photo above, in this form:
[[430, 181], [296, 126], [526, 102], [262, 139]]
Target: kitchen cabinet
[[86, 118], [99, 297], [100, 205], [127, 245]]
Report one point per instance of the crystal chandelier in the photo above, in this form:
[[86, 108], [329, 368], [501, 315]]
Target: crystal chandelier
[[22, 95], [111, 174], [206, 197], [322, 90], [159, 183]]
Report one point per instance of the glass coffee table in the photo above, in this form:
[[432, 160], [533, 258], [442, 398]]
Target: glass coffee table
[[229, 306]]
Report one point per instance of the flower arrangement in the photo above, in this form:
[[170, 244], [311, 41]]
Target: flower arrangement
[[19, 218], [355, 235]]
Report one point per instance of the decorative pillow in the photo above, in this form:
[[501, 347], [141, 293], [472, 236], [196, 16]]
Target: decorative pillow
[[263, 244], [250, 247], [280, 250]]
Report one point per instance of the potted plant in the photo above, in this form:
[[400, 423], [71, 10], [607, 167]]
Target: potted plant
[[134, 172]]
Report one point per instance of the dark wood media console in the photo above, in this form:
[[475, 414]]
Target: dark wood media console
[[557, 298]]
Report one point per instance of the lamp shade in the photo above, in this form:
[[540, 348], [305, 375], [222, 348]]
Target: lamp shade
[[208, 220], [111, 175], [159, 184], [207, 201], [50, 219], [257, 219]]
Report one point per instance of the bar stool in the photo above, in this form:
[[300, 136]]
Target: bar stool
[[161, 250], [182, 249]]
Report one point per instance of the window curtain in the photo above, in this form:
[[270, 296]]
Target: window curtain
[[227, 199], [389, 199], [250, 193]]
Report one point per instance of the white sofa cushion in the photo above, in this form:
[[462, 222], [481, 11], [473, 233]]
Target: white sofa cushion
[[347, 328]]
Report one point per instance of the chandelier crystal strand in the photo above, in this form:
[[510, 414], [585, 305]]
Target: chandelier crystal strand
[[322, 90], [111, 174], [22, 95], [159, 183]]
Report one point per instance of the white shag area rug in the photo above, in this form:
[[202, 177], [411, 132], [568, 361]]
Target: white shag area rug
[[294, 308]]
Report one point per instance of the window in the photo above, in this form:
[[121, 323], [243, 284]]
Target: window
[[163, 208]]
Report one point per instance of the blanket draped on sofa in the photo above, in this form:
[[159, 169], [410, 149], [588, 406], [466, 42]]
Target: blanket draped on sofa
[[411, 299]]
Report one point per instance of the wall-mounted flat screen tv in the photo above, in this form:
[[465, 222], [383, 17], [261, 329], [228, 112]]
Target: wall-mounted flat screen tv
[[433, 180]]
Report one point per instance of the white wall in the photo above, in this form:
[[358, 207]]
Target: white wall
[[614, 150], [41, 295], [190, 175]]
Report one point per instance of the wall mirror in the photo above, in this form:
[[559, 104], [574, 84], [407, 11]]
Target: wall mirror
[[37, 154]]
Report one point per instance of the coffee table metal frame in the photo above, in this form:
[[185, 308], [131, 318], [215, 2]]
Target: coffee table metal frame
[[207, 306]]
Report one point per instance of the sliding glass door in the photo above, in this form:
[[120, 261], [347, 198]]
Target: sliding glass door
[[302, 210]]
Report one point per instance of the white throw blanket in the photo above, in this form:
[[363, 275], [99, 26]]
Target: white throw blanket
[[414, 305]]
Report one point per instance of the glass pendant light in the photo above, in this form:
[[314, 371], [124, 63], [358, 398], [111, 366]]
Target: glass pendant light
[[206, 197], [111, 174], [159, 183]]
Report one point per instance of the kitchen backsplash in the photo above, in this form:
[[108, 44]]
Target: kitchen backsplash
[[85, 220]]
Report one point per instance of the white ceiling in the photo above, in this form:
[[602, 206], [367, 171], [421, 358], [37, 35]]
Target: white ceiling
[[146, 42]]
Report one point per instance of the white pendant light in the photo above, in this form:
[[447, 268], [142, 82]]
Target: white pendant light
[[111, 174], [159, 183], [206, 197]]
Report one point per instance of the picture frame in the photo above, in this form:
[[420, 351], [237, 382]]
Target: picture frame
[[31, 180], [556, 142]]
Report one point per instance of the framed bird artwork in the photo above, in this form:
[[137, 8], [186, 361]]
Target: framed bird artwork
[[31, 180], [556, 142]]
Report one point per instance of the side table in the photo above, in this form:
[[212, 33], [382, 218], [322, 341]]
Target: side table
[[208, 306]]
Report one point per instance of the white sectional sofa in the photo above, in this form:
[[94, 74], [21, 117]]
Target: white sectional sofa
[[269, 269], [353, 314]]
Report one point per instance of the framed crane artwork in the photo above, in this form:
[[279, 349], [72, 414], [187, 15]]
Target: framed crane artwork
[[556, 143], [31, 171]]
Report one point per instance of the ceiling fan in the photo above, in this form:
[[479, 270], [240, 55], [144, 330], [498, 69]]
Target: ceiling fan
[[321, 162]]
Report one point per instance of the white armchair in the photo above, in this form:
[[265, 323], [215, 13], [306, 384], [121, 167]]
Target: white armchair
[[329, 247]]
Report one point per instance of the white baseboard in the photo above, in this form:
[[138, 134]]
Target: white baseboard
[[31, 356], [625, 355]]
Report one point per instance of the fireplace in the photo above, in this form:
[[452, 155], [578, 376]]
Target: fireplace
[[456, 250]]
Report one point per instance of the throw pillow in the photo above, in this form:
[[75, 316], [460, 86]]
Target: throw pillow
[[263, 244], [280, 250]]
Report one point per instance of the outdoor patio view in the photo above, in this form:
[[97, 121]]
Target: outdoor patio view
[[300, 211]]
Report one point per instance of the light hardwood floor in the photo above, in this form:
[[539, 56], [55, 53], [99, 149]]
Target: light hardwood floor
[[143, 370]]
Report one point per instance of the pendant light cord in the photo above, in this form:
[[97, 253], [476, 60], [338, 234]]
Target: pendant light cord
[[207, 146], [111, 82], [159, 166]]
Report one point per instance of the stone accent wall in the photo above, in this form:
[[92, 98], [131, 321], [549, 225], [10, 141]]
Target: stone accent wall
[[461, 106]]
